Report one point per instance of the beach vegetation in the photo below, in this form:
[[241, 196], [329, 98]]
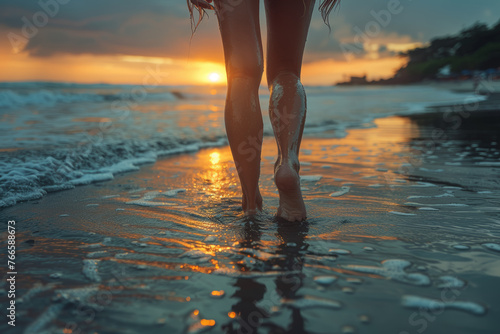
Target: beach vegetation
[[475, 48]]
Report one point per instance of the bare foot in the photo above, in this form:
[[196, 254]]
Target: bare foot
[[253, 209], [292, 207]]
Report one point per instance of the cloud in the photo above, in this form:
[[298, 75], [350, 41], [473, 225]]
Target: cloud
[[161, 28], [148, 28]]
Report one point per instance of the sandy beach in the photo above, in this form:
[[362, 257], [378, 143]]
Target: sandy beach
[[402, 236]]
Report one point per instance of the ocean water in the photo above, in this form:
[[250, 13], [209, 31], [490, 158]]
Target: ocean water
[[402, 235], [388, 246], [55, 136]]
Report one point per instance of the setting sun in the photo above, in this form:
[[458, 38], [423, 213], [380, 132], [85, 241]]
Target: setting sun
[[214, 77]]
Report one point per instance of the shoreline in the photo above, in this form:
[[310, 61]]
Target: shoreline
[[175, 233], [492, 103]]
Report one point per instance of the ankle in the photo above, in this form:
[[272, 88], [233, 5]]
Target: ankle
[[290, 160]]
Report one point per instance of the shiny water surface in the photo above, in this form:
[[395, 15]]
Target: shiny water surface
[[402, 237]]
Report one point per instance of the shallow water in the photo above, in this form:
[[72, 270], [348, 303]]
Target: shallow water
[[398, 240], [57, 136]]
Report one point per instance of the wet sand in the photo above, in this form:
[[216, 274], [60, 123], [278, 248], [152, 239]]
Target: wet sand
[[403, 236]]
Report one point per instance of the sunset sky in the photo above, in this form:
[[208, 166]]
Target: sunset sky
[[122, 41]]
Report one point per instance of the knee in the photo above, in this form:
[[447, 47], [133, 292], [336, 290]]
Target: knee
[[284, 78], [246, 70]]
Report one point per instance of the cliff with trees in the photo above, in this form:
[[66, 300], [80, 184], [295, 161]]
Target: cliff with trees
[[476, 48]]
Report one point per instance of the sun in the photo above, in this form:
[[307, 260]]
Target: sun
[[214, 77]]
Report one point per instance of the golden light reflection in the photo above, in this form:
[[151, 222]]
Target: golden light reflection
[[214, 158], [231, 315], [219, 293], [215, 177], [207, 322]]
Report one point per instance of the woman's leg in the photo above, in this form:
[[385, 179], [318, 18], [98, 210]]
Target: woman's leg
[[287, 26], [240, 31]]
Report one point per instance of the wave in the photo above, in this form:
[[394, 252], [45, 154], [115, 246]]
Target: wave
[[27, 175], [45, 98], [29, 168]]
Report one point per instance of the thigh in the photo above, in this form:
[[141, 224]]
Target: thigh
[[240, 32], [287, 26]]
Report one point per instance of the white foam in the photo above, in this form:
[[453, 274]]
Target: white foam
[[311, 178], [325, 280], [90, 270], [307, 302], [447, 194], [121, 167], [492, 246], [261, 255], [174, 192], [91, 178], [437, 204], [32, 179], [43, 98], [393, 269], [148, 200], [461, 247], [76, 295], [195, 254], [402, 213], [450, 282], [66, 123], [97, 254], [422, 303], [423, 184], [439, 170], [344, 190]]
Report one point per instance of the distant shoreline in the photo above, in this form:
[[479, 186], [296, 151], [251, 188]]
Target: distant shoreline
[[459, 86]]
